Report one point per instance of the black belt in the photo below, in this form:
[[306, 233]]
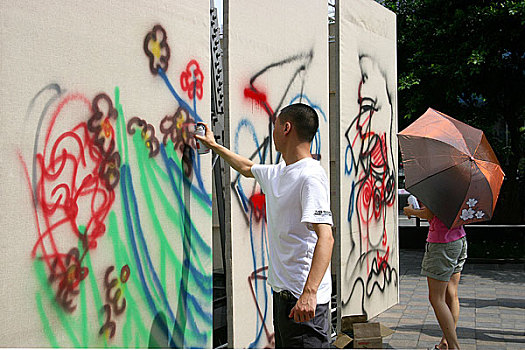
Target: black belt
[[286, 295]]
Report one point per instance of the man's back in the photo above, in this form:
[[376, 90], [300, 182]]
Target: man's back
[[297, 196]]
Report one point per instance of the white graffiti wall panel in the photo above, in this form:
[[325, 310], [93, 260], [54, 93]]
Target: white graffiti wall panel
[[106, 205], [368, 158], [277, 54]]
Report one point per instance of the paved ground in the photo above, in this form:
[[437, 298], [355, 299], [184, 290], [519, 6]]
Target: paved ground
[[492, 314]]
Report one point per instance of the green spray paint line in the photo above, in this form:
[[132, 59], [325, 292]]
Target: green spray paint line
[[96, 294], [83, 302], [150, 204], [133, 276], [162, 262], [48, 331], [143, 157], [122, 259], [147, 173], [140, 247], [50, 294], [173, 155], [121, 128]]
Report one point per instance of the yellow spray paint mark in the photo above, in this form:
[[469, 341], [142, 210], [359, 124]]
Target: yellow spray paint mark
[[155, 48]]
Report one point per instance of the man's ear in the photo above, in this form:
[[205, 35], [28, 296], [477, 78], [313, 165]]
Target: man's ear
[[287, 127]]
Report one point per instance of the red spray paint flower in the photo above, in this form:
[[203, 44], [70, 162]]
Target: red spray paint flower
[[191, 80]]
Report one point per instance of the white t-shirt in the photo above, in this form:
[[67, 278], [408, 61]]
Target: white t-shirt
[[296, 195]]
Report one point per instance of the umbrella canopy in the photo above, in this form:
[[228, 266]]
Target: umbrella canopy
[[451, 168]]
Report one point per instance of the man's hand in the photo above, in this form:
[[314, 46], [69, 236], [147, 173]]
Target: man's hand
[[304, 309], [242, 164], [208, 139]]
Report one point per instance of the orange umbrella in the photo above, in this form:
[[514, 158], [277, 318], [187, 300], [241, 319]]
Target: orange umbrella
[[451, 168]]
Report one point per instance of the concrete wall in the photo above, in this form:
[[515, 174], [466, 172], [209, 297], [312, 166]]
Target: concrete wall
[[276, 54], [367, 157], [106, 207]]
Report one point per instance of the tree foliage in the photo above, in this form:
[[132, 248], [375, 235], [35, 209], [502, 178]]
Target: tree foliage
[[467, 59]]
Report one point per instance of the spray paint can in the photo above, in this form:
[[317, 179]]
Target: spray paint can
[[413, 200], [200, 130]]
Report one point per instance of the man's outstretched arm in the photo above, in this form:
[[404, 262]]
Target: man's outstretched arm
[[241, 164]]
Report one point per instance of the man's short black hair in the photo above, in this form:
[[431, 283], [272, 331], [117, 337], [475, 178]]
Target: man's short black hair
[[304, 119]]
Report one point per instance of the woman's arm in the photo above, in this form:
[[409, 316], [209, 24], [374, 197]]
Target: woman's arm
[[423, 213]]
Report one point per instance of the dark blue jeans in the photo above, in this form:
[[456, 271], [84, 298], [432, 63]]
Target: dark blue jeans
[[299, 335]]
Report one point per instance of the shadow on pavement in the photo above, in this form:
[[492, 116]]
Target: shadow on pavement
[[494, 335], [505, 302]]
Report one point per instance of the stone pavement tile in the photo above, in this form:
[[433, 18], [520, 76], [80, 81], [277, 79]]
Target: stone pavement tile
[[434, 332], [420, 313], [512, 316], [391, 314], [411, 321], [482, 344], [470, 324], [426, 344], [430, 338], [487, 310], [496, 323], [466, 333], [398, 307], [421, 306], [495, 320], [462, 321], [402, 335], [402, 344], [512, 311], [468, 346], [511, 325], [513, 335]]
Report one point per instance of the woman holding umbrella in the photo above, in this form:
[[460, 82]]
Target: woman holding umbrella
[[452, 169], [445, 255]]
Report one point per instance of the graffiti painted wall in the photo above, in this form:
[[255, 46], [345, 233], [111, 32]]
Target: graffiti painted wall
[[368, 158], [106, 205], [277, 55]]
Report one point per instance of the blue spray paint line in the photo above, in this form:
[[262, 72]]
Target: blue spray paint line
[[348, 170], [140, 235], [197, 170], [127, 211], [207, 289], [351, 203], [170, 164], [181, 102], [200, 277], [245, 123], [313, 105], [243, 197], [179, 331], [256, 285]]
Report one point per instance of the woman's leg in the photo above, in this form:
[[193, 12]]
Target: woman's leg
[[437, 294], [452, 300]]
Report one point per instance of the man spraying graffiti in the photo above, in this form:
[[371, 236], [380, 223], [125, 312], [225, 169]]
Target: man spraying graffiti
[[299, 228]]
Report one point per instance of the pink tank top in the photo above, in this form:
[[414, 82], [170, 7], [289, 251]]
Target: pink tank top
[[439, 233]]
